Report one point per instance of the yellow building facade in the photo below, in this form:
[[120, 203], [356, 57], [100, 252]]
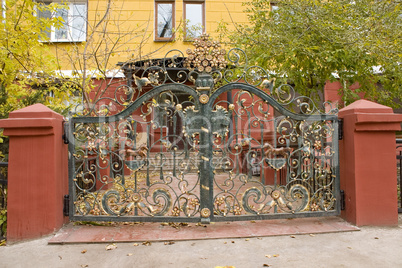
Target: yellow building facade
[[100, 33]]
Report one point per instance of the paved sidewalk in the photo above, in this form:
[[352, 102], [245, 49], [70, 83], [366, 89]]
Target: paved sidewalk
[[157, 231], [369, 247]]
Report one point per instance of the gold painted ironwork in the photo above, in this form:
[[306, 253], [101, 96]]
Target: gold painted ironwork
[[249, 148], [205, 212], [204, 98], [206, 56]]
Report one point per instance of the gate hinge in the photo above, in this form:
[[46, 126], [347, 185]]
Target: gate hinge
[[66, 205], [340, 129], [342, 200], [65, 132]]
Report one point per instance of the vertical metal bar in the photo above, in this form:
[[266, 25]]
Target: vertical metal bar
[[262, 173], [205, 168], [134, 138], [335, 147], [237, 159], [175, 143], [186, 144], [111, 175], [248, 165], [400, 185], [135, 134], [71, 167], [274, 145], [174, 124], [162, 137], [229, 99], [148, 146]]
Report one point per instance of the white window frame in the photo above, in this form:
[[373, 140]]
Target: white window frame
[[201, 3], [70, 19]]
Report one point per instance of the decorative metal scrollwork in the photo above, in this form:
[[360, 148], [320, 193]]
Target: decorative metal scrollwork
[[204, 66], [175, 146]]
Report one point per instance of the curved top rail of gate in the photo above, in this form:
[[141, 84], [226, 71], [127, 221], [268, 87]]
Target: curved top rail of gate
[[195, 68]]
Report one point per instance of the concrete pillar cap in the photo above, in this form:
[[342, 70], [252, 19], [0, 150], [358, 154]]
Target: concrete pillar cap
[[365, 106], [35, 111]]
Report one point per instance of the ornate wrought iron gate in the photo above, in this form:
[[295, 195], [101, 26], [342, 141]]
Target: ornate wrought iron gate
[[213, 153]]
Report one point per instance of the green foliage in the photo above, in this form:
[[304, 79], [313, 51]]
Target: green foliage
[[312, 42], [3, 221], [27, 66]]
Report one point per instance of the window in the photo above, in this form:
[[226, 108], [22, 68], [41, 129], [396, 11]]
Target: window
[[273, 5], [74, 22], [164, 20], [194, 16]]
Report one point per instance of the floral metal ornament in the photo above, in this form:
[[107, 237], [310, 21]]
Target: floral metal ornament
[[205, 212], [206, 56], [220, 120], [204, 98]]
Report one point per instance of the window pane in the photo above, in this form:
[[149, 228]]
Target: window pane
[[46, 14], [73, 22], [165, 19], [194, 19], [79, 22], [62, 32]]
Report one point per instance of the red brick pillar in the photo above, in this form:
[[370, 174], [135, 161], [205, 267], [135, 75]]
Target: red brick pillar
[[368, 163], [37, 172], [331, 92]]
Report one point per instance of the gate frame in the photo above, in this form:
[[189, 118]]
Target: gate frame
[[206, 174]]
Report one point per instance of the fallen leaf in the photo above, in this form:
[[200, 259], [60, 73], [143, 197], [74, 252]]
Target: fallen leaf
[[233, 242], [312, 235], [136, 245], [84, 251], [60, 257], [259, 238], [275, 255], [111, 247], [164, 224], [193, 244], [247, 239], [225, 242], [376, 238], [292, 236], [84, 265], [349, 247], [146, 243], [253, 221], [129, 254], [169, 243], [268, 256], [266, 265]]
